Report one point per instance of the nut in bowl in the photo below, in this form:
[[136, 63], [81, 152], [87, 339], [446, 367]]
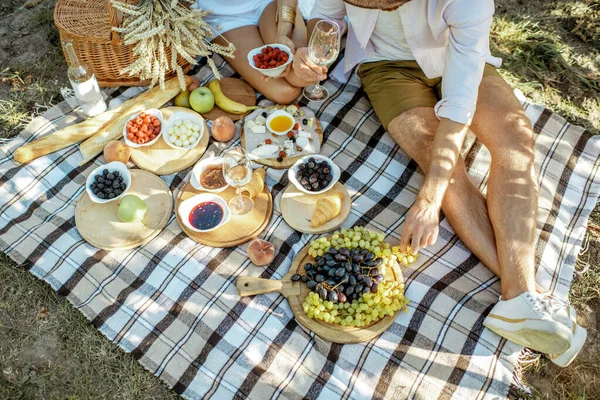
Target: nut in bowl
[[144, 129], [184, 130], [204, 212], [314, 174], [270, 60], [108, 182], [208, 176], [280, 122]]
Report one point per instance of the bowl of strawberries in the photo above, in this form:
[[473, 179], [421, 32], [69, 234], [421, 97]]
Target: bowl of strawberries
[[270, 60]]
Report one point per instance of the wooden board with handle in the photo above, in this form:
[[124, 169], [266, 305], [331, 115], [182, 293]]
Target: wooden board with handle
[[288, 161], [240, 228], [100, 226], [162, 159], [237, 90], [296, 293]]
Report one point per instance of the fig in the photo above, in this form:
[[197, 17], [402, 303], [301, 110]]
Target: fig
[[194, 85], [223, 129], [261, 252]]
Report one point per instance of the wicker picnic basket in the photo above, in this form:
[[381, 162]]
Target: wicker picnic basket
[[89, 23]]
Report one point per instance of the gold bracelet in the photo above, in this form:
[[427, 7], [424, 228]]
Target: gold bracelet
[[288, 14]]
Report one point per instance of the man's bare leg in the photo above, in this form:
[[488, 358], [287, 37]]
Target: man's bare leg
[[464, 205], [502, 126]]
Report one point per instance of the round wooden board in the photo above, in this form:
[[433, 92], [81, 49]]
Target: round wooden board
[[240, 228], [296, 293], [298, 207], [288, 161], [237, 90], [99, 225], [162, 159]]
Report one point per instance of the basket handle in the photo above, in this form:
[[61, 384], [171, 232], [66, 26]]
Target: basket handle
[[115, 18]]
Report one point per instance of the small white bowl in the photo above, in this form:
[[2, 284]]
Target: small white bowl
[[199, 169], [155, 113], [183, 116], [272, 72], [186, 207], [112, 166], [277, 114], [293, 173]]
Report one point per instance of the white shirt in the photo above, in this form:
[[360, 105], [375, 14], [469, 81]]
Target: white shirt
[[388, 39], [448, 38]]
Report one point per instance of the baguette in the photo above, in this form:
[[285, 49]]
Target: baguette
[[69, 135], [154, 98]]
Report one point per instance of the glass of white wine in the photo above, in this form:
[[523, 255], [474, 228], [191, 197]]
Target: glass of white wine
[[323, 49], [237, 170]]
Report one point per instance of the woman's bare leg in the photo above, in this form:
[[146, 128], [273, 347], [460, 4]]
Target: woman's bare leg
[[245, 39]]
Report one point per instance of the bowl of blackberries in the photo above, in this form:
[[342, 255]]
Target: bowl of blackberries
[[314, 174], [108, 182]]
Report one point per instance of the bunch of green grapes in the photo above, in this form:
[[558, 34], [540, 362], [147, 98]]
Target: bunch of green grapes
[[359, 237], [367, 309]]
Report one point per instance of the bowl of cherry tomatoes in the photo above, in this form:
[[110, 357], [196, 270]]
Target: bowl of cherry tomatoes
[[270, 60], [143, 129]]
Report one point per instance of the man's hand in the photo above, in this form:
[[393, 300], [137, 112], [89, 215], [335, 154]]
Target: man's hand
[[421, 225], [305, 69]]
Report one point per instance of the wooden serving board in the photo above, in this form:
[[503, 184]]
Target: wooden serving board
[[298, 207], [297, 292], [162, 159], [237, 90], [240, 228], [99, 225], [288, 161]]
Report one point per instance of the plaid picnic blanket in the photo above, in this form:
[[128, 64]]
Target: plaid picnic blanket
[[173, 304]]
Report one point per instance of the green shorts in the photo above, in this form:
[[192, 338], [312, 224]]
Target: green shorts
[[394, 87]]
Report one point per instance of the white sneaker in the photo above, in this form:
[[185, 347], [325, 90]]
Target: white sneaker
[[565, 314], [527, 320]]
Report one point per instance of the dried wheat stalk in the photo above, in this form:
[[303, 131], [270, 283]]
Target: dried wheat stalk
[[153, 26]]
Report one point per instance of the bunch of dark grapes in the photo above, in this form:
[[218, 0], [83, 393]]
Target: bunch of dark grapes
[[343, 275], [314, 176], [108, 185]]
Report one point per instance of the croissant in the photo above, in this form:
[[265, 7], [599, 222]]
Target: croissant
[[256, 184], [328, 208]]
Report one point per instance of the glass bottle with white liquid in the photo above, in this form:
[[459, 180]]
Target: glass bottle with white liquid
[[84, 83]]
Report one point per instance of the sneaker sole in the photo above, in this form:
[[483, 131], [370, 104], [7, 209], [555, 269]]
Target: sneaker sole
[[579, 338], [548, 338]]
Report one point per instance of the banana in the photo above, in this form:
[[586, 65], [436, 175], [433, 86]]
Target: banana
[[225, 103]]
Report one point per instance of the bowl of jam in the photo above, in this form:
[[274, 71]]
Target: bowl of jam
[[207, 175], [204, 212]]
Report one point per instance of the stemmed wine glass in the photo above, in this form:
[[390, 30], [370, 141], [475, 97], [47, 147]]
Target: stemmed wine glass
[[237, 170], [323, 49]]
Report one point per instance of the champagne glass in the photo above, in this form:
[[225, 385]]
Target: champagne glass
[[237, 170], [323, 49]]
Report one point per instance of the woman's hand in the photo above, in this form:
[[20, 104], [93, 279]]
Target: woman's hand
[[307, 70], [283, 39], [421, 225]]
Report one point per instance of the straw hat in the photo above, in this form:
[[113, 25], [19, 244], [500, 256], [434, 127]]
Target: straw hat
[[380, 4]]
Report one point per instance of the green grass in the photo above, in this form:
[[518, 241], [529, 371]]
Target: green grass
[[551, 52], [62, 355]]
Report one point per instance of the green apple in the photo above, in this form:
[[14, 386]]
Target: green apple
[[202, 100], [131, 208]]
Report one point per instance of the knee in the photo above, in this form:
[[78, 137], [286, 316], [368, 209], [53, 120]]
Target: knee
[[514, 139], [283, 94]]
